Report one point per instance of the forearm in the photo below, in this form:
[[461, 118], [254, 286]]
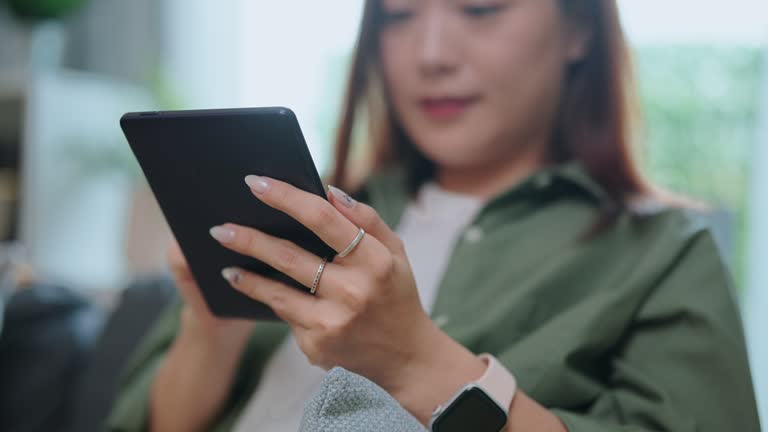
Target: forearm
[[193, 383], [528, 415], [444, 368]]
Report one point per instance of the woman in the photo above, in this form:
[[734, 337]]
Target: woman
[[505, 202]]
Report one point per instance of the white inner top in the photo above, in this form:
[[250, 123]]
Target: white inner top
[[430, 227]]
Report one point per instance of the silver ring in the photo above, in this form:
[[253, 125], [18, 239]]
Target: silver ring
[[317, 276], [352, 245]]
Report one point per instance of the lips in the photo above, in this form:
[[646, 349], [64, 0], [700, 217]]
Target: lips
[[447, 108]]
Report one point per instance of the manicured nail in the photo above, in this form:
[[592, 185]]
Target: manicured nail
[[257, 184], [224, 235], [231, 274], [342, 196]]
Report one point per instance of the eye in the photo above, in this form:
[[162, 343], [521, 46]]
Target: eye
[[480, 11], [395, 16]]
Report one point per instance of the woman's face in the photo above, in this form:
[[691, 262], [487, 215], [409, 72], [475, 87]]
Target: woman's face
[[474, 82]]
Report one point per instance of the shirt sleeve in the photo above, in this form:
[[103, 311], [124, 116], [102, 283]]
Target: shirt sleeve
[[682, 364], [130, 412]]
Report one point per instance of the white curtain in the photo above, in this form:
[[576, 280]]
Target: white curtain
[[664, 21]]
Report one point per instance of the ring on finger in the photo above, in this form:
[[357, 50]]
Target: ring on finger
[[353, 245], [319, 274]]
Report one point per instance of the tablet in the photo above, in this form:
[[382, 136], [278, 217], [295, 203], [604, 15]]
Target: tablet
[[195, 163]]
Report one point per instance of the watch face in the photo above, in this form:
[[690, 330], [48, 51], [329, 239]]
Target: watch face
[[472, 411]]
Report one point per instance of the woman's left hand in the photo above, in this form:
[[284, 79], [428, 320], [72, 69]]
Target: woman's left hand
[[366, 315]]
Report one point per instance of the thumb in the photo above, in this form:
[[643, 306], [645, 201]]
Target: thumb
[[185, 282]]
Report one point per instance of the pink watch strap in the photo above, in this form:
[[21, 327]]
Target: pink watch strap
[[498, 382]]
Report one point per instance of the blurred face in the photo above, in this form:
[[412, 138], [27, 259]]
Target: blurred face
[[476, 82]]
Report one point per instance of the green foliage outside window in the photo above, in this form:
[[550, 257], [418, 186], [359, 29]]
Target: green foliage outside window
[[700, 107]]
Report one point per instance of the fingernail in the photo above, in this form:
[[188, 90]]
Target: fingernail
[[257, 184], [224, 235], [231, 274], [342, 196]]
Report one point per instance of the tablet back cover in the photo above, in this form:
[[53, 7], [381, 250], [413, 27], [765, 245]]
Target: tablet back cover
[[196, 162]]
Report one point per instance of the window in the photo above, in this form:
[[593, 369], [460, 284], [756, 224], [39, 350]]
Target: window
[[703, 71]]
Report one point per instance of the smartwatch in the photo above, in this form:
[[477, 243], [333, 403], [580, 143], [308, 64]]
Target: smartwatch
[[481, 406]]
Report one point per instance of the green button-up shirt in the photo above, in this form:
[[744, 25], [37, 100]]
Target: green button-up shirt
[[635, 329]]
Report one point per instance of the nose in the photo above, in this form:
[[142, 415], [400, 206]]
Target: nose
[[437, 51]]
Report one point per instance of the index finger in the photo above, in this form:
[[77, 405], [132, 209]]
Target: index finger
[[315, 213]]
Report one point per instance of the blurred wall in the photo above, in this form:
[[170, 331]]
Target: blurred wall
[[117, 38], [69, 81]]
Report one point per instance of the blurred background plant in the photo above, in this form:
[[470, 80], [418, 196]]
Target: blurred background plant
[[43, 9]]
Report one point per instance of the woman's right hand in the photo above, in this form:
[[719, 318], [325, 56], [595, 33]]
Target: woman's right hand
[[196, 377]]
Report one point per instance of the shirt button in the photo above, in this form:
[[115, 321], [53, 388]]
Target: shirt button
[[474, 234], [542, 181], [441, 320]]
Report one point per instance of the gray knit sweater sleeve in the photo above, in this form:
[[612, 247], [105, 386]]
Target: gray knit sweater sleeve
[[347, 402]]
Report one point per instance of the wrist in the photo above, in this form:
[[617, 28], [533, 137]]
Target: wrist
[[226, 338], [439, 367], [195, 377]]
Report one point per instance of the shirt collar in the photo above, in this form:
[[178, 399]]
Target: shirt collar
[[562, 180], [573, 173], [388, 191]]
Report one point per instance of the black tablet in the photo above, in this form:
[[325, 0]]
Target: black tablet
[[196, 162]]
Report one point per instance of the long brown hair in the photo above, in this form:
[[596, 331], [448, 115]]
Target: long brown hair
[[593, 125]]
